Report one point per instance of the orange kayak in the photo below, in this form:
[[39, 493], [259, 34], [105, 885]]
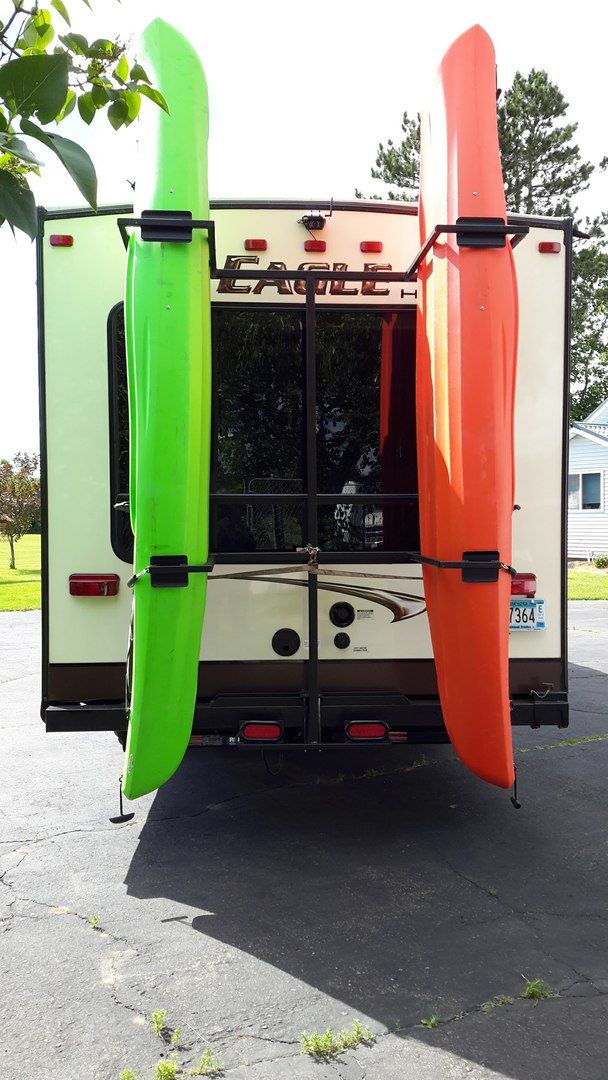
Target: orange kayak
[[466, 362]]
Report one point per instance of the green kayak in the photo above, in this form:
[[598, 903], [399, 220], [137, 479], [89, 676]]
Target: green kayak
[[168, 339]]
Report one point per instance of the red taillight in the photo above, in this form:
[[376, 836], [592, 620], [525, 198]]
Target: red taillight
[[261, 730], [315, 245], [256, 245], [371, 245], [363, 729], [549, 247], [61, 240], [523, 585], [94, 584]]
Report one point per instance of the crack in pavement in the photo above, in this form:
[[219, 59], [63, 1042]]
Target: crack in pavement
[[525, 916]]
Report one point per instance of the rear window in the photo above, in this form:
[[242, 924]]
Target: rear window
[[365, 440]]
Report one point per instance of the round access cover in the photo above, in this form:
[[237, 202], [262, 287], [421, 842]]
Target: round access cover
[[286, 642]]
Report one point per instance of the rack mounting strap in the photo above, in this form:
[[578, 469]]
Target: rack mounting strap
[[171, 571]]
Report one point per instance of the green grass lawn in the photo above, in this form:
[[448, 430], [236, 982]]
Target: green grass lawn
[[587, 585], [20, 588]]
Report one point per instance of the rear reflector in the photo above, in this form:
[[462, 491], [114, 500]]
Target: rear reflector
[[361, 729], [264, 731], [371, 245], [94, 584], [255, 245], [61, 240], [549, 247], [315, 245], [523, 585]]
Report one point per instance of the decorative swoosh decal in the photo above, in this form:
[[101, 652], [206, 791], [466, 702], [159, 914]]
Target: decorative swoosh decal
[[402, 605]]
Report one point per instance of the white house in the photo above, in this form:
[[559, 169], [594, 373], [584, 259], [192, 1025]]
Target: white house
[[588, 486]]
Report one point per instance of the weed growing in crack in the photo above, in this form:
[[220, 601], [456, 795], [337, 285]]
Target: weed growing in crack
[[492, 891], [496, 1002], [166, 1070], [331, 1043], [175, 1037], [537, 990], [431, 1021], [94, 922], [355, 1035], [157, 1019], [209, 1064], [369, 774], [128, 1074]]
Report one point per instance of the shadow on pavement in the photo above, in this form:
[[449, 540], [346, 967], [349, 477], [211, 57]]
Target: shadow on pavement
[[399, 884]]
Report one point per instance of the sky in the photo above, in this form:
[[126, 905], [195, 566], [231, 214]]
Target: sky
[[300, 95]]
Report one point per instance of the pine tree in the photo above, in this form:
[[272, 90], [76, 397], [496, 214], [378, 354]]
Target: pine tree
[[542, 167], [400, 165], [589, 355]]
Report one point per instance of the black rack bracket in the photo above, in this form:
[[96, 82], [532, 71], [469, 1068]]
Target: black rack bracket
[[487, 237], [169, 226], [477, 572]]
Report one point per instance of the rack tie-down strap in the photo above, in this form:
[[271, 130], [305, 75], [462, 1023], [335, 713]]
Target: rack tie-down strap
[[171, 571], [476, 566]]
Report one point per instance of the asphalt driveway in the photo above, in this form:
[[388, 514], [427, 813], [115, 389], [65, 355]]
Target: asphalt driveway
[[253, 906]]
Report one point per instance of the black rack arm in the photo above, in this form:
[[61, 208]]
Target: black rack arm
[[169, 226], [171, 571], [476, 566], [470, 232]]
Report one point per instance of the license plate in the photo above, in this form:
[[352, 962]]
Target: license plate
[[527, 615]]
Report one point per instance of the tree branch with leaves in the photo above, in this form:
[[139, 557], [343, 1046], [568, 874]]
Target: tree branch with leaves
[[44, 76]]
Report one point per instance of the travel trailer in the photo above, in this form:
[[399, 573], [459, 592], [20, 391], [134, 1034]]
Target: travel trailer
[[315, 631]]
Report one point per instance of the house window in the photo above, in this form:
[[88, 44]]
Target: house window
[[592, 494], [574, 491], [585, 491]]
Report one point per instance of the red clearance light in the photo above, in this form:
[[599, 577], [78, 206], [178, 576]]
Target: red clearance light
[[61, 240], [255, 245], [549, 247], [371, 245], [94, 584], [315, 245], [362, 729], [523, 585], [263, 730]]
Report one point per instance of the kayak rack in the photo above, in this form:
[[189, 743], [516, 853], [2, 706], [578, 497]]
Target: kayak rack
[[176, 227], [168, 226], [476, 566], [470, 232], [171, 571]]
